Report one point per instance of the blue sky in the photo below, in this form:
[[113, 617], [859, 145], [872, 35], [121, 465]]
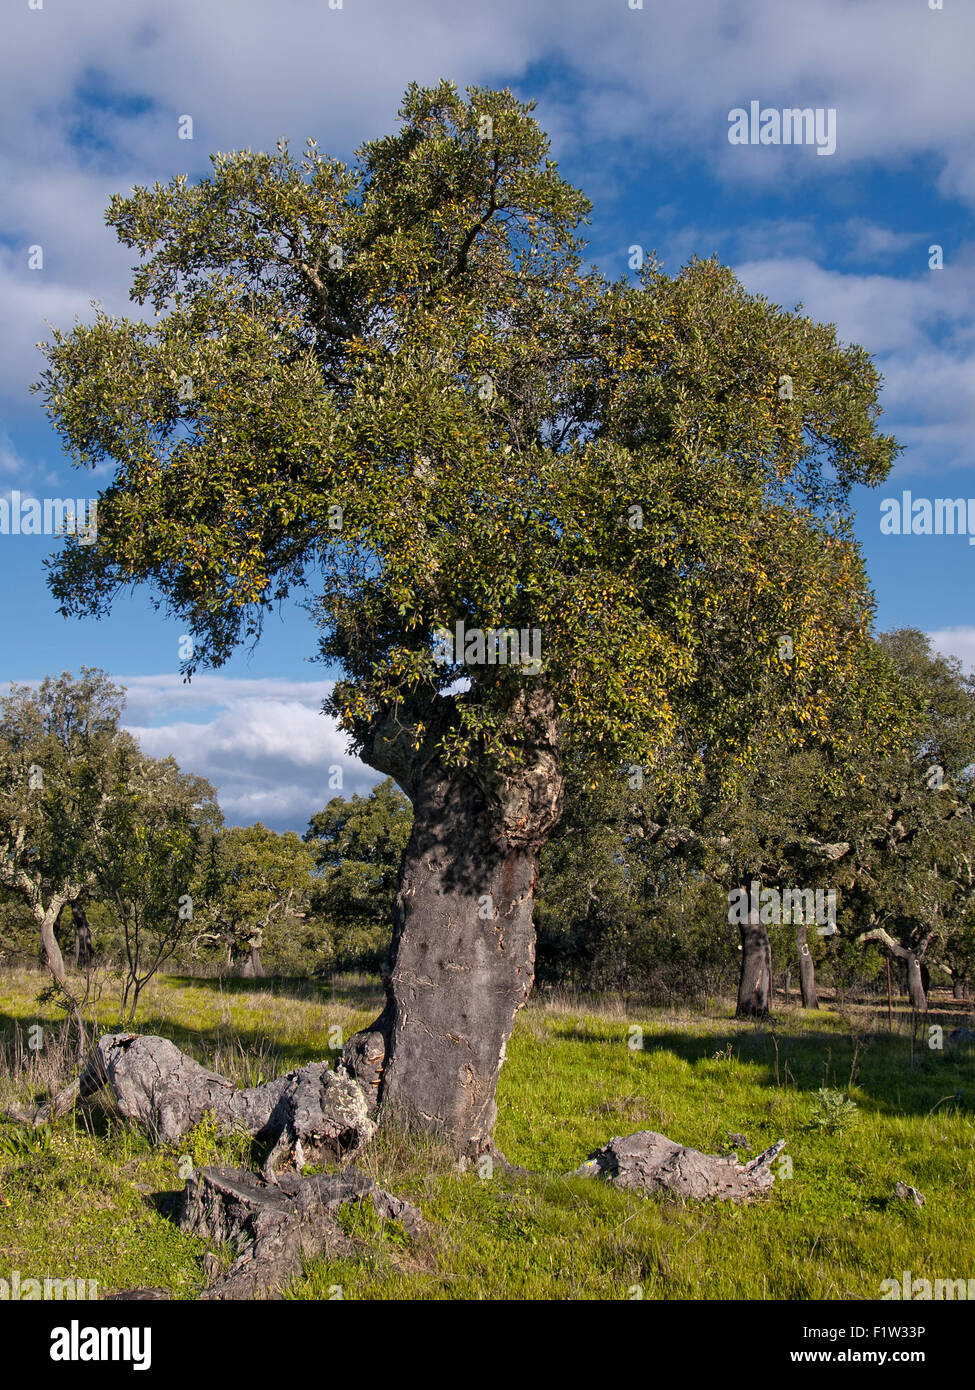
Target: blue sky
[[636, 102]]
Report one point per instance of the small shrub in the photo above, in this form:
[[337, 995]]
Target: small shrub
[[26, 1143], [832, 1111]]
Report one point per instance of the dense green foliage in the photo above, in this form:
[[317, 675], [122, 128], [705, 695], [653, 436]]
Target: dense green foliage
[[635, 884], [358, 844], [399, 375]]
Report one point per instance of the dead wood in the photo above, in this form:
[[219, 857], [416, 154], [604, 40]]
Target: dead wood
[[275, 1228], [650, 1162]]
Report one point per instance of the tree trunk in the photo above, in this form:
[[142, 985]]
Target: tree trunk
[[252, 969], [51, 957], [313, 1115], [913, 960], [463, 948], [807, 971], [277, 1229], [755, 980], [84, 952], [915, 982]]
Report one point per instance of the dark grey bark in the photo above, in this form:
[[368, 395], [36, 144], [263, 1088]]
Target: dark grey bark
[[650, 1162], [84, 951], [807, 970], [251, 967], [916, 992], [463, 949], [755, 979]]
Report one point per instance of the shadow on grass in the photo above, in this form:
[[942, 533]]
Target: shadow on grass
[[308, 989], [249, 1043], [885, 1079]]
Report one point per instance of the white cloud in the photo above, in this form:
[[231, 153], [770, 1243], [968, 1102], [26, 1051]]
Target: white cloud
[[11, 463], [920, 331], [263, 743], [956, 641], [869, 241]]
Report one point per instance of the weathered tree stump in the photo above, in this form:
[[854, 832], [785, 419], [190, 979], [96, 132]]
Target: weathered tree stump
[[275, 1228], [650, 1162], [312, 1115]]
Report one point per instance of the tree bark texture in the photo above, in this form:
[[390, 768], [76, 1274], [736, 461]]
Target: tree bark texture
[[463, 949], [650, 1162], [311, 1115], [275, 1229], [755, 979], [807, 970], [251, 967]]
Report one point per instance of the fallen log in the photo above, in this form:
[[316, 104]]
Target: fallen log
[[312, 1115], [275, 1228], [650, 1162]]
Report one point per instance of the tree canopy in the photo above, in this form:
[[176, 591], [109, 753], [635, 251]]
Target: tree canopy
[[399, 381]]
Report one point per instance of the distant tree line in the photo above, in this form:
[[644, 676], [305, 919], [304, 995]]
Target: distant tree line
[[107, 854], [636, 887]]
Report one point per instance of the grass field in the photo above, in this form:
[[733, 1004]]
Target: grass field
[[83, 1200]]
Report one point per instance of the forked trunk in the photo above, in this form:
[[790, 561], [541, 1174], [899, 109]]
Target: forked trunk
[[917, 971], [463, 949], [755, 980]]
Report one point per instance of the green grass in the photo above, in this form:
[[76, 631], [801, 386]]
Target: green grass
[[93, 1204]]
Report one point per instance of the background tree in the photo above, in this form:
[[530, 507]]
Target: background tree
[[399, 375], [147, 862], [84, 946], [60, 752], [906, 812], [623, 901], [957, 954], [253, 877], [358, 845]]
